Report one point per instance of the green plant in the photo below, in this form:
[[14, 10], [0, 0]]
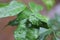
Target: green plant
[[29, 21]]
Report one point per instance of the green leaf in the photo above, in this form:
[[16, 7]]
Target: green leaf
[[42, 30], [24, 33], [58, 34], [24, 14], [41, 17], [37, 22], [12, 9], [20, 32], [32, 34], [45, 34], [34, 7], [34, 20]]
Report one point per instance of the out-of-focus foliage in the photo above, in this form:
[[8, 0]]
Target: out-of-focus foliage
[[34, 7], [54, 29], [49, 3], [3, 4]]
